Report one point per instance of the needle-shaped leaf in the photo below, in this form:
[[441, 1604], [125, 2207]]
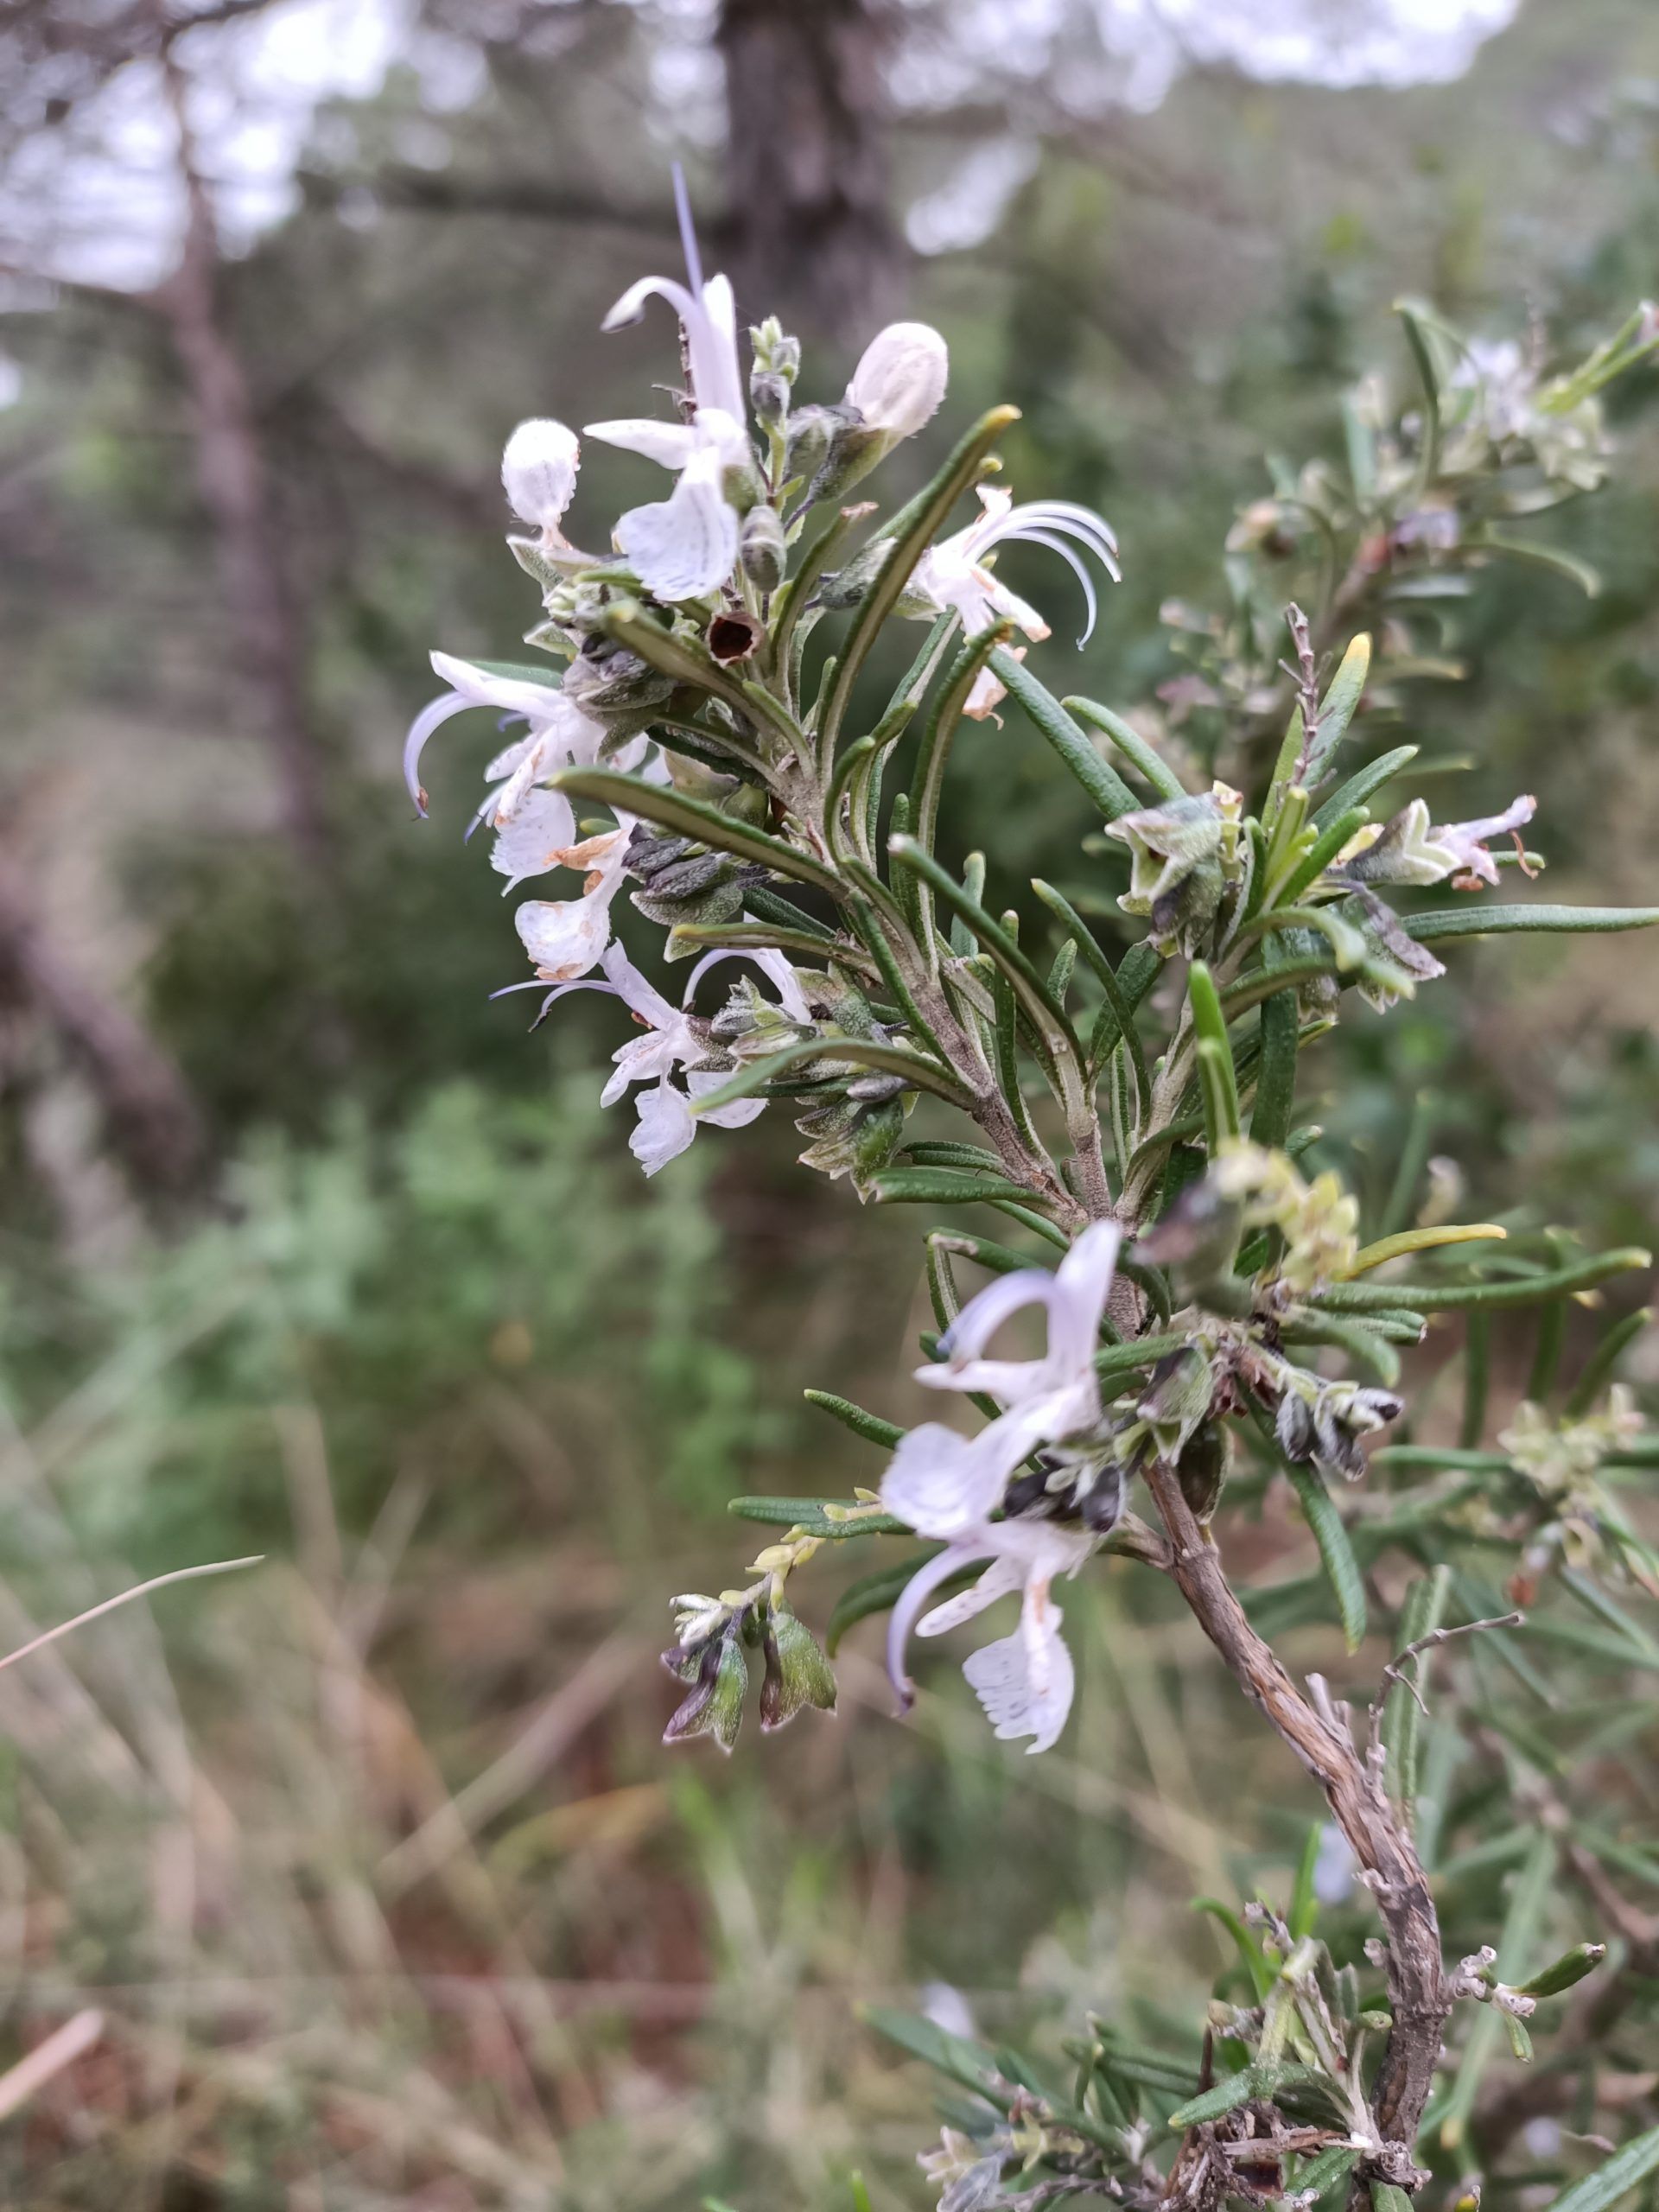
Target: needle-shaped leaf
[[837, 1052], [1337, 708], [1131, 743], [1360, 785], [1515, 1945], [1515, 1290], [1275, 1069], [830, 1518], [1342, 1569], [1103, 785], [943, 1186], [1118, 999], [1218, 1081], [1626, 2171], [693, 664], [1423, 1240], [692, 817], [870, 1426], [1475, 920]]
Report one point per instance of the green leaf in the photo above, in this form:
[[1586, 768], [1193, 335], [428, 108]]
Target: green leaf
[[1556, 557], [1325, 847], [1118, 999], [1131, 743], [857, 1052], [1567, 1971], [1423, 1240], [1218, 1080], [940, 730], [1626, 2167], [1417, 326], [959, 2061], [943, 1186], [1498, 921], [1262, 2078], [691, 817], [1304, 1904], [791, 601], [1324, 2175], [771, 907], [1338, 705], [1601, 1362], [1275, 1073], [692, 663], [686, 940], [549, 674], [1370, 1346], [1446, 1298], [929, 513], [1259, 1974], [1335, 1552], [833, 1518], [1254, 2081], [1360, 785], [870, 1426], [1104, 786]]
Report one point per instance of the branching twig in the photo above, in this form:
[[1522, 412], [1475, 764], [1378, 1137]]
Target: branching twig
[[1395, 1671]]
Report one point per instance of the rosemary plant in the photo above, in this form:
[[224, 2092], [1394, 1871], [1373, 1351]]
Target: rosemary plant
[[1214, 1321]]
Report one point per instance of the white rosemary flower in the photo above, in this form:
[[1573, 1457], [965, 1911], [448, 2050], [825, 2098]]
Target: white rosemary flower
[[953, 573], [949, 1486], [685, 546]]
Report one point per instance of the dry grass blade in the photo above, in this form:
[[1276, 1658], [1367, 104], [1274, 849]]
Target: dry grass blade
[[125, 1598], [61, 2048]]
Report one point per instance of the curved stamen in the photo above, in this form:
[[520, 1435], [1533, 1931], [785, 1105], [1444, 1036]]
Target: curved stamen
[[431, 717], [1073, 561], [687, 229]]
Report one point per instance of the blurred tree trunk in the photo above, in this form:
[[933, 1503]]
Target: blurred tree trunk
[[806, 162], [148, 1112], [235, 489]]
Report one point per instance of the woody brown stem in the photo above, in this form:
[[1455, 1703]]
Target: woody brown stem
[[1418, 1995]]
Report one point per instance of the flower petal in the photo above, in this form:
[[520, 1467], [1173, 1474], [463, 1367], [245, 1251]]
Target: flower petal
[[945, 1484], [901, 379], [771, 964], [984, 1314], [530, 843], [665, 1126], [642, 1059], [1082, 1284], [640, 995], [1026, 1682], [538, 471], [671, 444], [685, 546], [701, 1081], [1000, 1579]]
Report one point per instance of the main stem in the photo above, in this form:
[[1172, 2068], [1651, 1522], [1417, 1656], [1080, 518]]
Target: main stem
[[1417, 1988]]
